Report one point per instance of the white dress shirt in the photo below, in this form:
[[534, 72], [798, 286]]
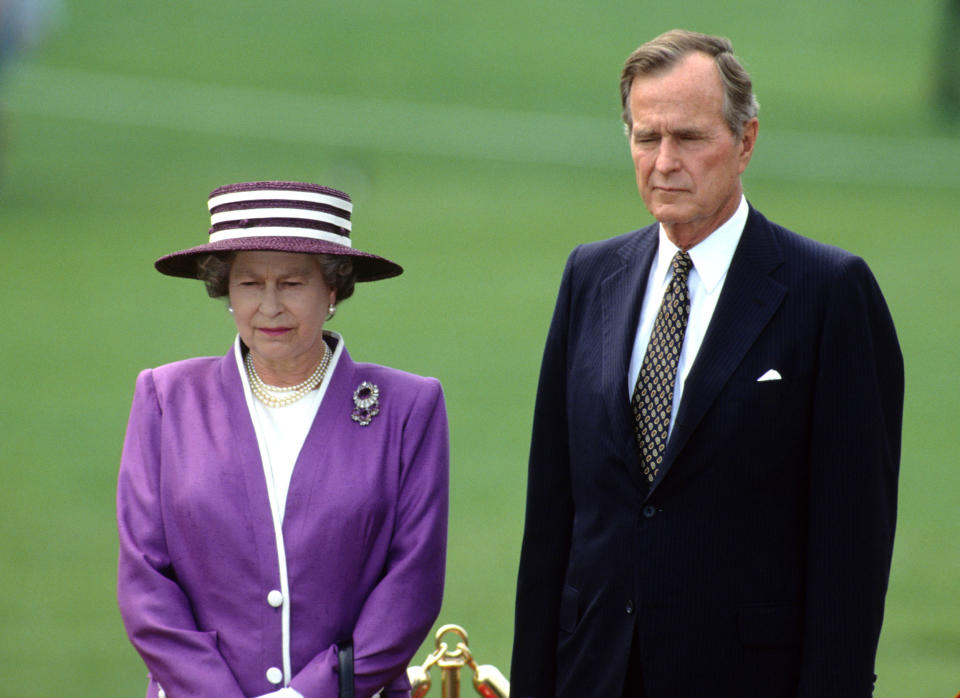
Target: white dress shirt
[[711, 260]]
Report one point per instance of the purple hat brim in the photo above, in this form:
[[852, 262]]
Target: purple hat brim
[[368, 267]]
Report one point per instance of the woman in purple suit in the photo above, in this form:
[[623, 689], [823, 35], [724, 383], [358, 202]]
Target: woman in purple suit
[[283, 503]]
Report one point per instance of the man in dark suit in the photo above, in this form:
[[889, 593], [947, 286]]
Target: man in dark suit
[[713, 471]]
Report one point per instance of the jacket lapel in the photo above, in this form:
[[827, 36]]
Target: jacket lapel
[[621, 296], [747, 302], [308, 471], [247, 454]]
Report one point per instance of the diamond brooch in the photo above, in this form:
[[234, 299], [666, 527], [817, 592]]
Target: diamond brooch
[[366, 401]]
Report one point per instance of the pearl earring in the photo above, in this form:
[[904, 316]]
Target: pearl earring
[[331, 311], [230, 309]]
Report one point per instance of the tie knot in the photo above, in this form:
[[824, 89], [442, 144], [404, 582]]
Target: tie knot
[[682, 264]]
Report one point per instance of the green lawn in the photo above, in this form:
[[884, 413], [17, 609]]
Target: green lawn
[[480, 143]]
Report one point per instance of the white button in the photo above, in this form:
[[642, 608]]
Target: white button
[[274, 675], [275, 598]]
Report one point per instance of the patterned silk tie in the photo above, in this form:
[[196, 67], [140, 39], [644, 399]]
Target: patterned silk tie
[[652, 400]]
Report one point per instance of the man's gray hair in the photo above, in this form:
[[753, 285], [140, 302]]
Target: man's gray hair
[[739, 103]]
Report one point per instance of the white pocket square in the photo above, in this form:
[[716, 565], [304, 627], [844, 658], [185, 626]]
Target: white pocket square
[[771, 375]]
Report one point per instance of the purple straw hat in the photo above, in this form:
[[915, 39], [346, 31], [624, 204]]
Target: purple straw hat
[[279, 217]]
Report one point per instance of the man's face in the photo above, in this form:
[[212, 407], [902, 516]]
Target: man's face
[[688, 162]]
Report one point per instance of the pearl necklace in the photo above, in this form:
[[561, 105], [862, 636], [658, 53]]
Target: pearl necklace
[[276, 396]]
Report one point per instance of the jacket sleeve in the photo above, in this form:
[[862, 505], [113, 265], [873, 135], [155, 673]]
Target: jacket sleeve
[[400, 609], [155, 610], [549, 516], [852, 501]]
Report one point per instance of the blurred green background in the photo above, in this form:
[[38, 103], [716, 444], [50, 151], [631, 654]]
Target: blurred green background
[[480, 142]]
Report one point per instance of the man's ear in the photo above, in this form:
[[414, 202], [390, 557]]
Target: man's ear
[[748, 141]]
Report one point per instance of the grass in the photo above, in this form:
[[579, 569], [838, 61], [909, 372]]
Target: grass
[[87, 203]]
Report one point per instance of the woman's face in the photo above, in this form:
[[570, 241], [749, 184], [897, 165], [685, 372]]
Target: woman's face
[[280, 302]]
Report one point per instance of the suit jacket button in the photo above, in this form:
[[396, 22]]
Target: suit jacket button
[[649, 511], [629, 607]]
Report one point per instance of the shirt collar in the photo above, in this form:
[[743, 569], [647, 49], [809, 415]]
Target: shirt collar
[[712, 255]]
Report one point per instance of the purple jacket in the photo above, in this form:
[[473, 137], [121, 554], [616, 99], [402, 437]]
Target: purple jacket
[[364, 531]]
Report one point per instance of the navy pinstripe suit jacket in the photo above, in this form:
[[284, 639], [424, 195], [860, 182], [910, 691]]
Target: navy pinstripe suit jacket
[[757, 563]]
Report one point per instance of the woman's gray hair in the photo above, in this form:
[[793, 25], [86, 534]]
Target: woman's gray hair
[[214, 271], [665, 51]]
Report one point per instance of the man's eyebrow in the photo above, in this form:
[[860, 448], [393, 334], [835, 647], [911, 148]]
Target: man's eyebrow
[[688, 132], [683, 132]]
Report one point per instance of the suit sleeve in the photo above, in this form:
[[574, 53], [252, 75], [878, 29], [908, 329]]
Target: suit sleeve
[[400, 609], [549, 516], [155, 610], [854, 464]]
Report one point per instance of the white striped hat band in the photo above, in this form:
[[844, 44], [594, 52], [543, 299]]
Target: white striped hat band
[[280, 232], [278, 194], [263, 212]]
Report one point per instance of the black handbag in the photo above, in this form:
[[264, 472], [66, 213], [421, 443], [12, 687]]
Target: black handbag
[[345, 660]]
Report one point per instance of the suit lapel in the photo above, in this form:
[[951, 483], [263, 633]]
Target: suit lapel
[[247, 454], [747, 302], [621, 296], [309, 471]]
